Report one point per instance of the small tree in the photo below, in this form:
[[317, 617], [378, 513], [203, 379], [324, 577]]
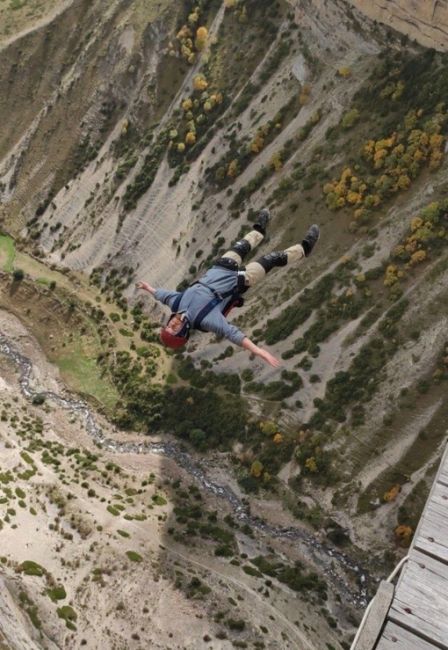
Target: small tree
[[18, 275]]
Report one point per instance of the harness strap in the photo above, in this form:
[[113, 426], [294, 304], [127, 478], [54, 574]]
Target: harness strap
[[176, 303], [218, 298]]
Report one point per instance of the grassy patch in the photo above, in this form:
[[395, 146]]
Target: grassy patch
[[7, 253], [82, 373]]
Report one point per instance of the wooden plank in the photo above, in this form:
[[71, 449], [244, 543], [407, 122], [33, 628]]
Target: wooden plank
[[442, 475], [432, 534], [376, 617], [395, 637], [421, 599]]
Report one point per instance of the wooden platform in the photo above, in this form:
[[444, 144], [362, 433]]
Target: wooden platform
[[417, 618]]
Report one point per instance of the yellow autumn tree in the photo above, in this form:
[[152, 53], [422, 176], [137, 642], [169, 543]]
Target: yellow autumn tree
[[435, 160], [403, 182], [257, 143], [190, 138], [344, 72], [216, 98], [418, 257], [183, 33], [200, 82], [201, 38], [232, 169], [276, 161], [403, 535], [354, 197], [311, 464], [305, 93], [391, 276], [416, 223], [193, 18], [369, 149], [392, 493]]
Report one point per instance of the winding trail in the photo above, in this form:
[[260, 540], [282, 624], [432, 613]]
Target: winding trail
[[322, 554]]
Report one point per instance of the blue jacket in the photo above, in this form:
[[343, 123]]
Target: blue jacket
[[197, 296]]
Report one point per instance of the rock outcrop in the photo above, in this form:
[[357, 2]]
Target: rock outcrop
[[424, 20]]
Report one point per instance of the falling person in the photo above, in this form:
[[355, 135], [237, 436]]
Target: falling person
[[205, 304]]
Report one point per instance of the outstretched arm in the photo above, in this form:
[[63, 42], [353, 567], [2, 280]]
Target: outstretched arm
[[146, 287], [248, 345], [162, 295]]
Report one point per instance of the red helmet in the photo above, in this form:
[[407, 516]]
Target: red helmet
[[177, 340], [172, 340]]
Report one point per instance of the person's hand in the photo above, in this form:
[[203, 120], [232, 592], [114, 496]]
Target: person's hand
[[270, 359], [143, 285]]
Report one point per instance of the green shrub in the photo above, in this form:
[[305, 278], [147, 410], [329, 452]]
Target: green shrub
[[57, 593], [69, 615], [237, 625], [30, 568], [158, 500], [134, 557]]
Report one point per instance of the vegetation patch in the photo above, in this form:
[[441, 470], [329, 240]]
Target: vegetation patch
[[31, 609], [294, 576], [69, 615], [134, 557], [30, 568], [57, 593], [7, 253]]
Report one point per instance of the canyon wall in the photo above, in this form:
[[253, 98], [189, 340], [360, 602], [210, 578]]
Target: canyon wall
[[424, 20]]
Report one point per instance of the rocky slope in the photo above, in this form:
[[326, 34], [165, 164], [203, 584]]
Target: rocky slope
[[425, 21]]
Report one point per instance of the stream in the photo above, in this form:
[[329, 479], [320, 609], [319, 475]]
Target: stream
[[325, 555]]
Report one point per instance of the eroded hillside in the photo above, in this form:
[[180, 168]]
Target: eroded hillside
[[142, 142], [425, 21]]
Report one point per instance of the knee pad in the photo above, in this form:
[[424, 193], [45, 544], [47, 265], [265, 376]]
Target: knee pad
[[271, 260], [241, 247]]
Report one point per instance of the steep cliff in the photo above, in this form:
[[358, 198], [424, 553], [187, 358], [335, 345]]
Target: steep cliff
[[426, 21]]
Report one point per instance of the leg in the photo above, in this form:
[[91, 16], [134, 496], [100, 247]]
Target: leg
[[256, 271], [243, 247], [253, 238]]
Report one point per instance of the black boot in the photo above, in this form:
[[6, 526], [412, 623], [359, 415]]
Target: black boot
[[241, 247], [271, 260], [264, 216], [310, 239]]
